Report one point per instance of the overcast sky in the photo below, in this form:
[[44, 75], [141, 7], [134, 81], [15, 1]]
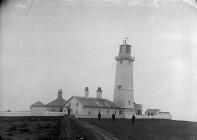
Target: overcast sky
[[47, 45]]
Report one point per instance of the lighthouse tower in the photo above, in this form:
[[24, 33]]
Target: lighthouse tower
[[123, 89]]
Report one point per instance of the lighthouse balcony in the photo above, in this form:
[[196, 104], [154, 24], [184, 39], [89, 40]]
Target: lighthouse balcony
[[125, 57]]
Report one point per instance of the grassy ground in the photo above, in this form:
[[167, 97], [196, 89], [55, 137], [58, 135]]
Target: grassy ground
[[148, 129], [43, 128], [29, 128]]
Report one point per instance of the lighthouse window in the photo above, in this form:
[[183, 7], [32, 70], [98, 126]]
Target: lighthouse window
[[128, 50], [119, 86]]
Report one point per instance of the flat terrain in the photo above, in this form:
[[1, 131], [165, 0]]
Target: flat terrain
[[29, 128], [147, 129]]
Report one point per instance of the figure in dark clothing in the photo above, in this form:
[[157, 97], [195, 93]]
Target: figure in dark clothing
[[133, 119], [68, 112], [113, 116], [99, 115]]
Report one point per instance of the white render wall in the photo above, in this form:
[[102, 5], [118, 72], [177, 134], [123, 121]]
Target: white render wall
[[38, 111], [105, 113], [159, 116], [83, 112], [76, 109], [124, 77]]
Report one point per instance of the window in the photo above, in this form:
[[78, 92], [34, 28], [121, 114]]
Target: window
[[120, 112], [139, 112], [129, 102], [151, 114], [107, 111], [89, 112], [69, 104], [77, 104], [148, 114], [76, 112], [115, 111], [128, 50], [119, 87]]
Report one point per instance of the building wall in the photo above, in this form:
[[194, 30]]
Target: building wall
[[38, 111], [89, 112], [53, 109], [166, 116], [149, 113], [123, 90], [128, 112], [138, 109], [75, 105]]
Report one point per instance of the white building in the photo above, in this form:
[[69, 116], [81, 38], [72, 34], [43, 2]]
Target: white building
[[88, 107], [157, 114], [40, 109], [123, 105], [123, 88]]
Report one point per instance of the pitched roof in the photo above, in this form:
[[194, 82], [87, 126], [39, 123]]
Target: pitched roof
[[152, 110], [57, 102], [38, 104], [95, 102]]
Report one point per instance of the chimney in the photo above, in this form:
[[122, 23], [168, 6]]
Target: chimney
[[99, 93], [59, 94], [86, 92]]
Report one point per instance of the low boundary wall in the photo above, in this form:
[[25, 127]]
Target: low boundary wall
[[28, 113]]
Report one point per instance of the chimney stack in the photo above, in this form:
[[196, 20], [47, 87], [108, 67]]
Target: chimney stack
[[59, 94], [86, 92], [99, 93]]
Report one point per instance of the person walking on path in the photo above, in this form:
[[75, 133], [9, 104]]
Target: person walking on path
[[99, 115], [133, 119], [113, 117]]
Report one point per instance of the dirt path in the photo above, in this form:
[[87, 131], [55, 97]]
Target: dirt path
[[99, 133], [76, 129], [68, 130]]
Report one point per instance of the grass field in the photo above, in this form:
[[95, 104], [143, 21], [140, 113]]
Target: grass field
[[148, 129], [29, 128], [69, 128]]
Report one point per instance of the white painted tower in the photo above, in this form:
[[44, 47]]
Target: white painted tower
[[123, 89]]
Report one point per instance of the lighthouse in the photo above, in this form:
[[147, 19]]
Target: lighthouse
[[123, 88]]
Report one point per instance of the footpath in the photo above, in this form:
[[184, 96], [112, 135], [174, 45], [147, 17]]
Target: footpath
[[75, 129]]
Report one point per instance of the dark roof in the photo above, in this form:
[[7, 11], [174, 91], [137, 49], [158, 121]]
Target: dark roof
[[38, 104], [152, 110], [95, 102], [59, 102]]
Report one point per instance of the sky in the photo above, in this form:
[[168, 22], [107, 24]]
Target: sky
[[48, 45]]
